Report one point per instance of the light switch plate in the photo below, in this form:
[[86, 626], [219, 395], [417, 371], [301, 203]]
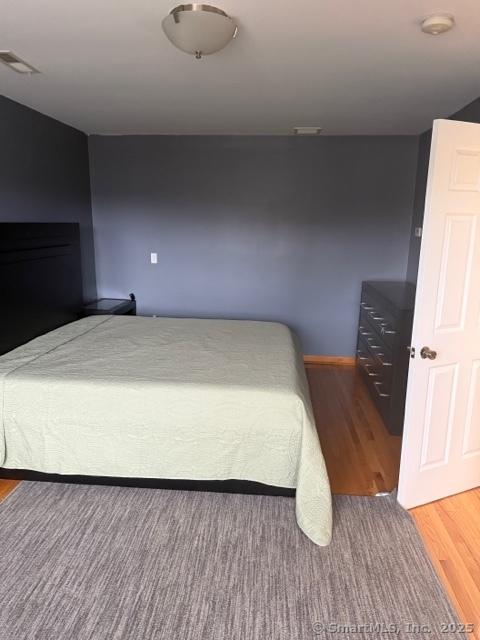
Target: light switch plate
[[153, 258], [418, 232]]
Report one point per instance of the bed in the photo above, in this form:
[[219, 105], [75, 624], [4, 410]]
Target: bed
[[174, 398]]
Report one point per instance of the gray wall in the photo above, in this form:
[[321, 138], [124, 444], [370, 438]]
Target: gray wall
[[424, 142], [273, 228], [44, 176], [470, 113]]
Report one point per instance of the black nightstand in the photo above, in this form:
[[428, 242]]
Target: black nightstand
[[111, 306]]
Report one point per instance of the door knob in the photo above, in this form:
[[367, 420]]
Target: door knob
[[426, 352]]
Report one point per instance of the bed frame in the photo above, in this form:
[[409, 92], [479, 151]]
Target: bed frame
[[40, 280], [41, 290], [219, 486]]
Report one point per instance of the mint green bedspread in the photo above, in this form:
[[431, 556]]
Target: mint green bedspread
[[167, 398]]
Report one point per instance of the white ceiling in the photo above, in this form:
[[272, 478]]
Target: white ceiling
[[351, 66]]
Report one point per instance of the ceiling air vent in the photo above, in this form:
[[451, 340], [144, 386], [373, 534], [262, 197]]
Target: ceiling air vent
[[307, 131], [15, 63]]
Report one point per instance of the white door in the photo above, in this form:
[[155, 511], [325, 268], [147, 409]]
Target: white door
[[441, 444]]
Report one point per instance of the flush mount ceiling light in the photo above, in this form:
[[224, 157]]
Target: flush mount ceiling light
[[199, 29], [13, 62], [438, 23]]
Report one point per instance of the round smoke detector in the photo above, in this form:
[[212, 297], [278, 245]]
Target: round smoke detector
[[437, 24]]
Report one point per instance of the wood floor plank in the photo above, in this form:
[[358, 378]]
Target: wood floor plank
[[450, 529], [362, 458], [6, 486]]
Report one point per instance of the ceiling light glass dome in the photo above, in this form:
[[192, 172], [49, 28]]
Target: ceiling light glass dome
[[199, 29]]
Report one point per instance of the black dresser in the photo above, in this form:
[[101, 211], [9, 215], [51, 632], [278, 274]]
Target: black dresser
[[384, 333]]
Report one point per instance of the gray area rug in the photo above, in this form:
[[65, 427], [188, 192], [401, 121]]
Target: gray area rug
[[110, 563]]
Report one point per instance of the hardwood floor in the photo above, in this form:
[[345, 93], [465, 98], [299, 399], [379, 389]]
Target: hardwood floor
[[450, 529], [6, 486], [362, 458]]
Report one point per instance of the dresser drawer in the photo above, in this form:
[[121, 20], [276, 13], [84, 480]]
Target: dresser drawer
[[365, 328], [374, 363], [380, 321], [370, 330], [383, 359], [384, 332], [380, 390], [364, 357], [382, 396]]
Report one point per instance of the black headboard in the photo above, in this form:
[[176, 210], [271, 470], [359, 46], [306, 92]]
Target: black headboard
[[40, 279]]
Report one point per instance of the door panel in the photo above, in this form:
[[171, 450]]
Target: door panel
[[441, 391], [466, 170], [441, 444], [457, 262]]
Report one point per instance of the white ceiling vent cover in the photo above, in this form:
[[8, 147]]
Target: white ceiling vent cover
[[12, 61], [307, 131]]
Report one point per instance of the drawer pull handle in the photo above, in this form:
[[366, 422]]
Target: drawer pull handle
[[365, 306], [374, 317], [383, 362], [361, 355], [373, 346], [384, 329], [380, 393], [364, 332], [369, 373]]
